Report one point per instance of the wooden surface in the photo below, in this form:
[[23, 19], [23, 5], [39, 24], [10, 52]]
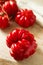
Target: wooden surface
[[36, 59]]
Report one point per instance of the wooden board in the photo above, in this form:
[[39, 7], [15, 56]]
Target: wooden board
[[36, 59]]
